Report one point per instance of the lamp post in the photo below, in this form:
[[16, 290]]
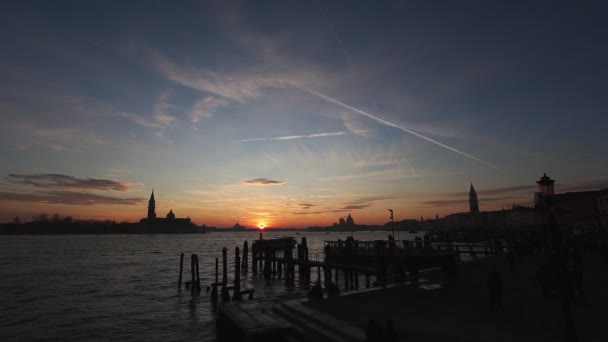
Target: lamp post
[[392, 223]]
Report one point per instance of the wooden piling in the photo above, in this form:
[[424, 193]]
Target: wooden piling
[[225, 293], [245, 262], [215, 285], [181, 270], [254, 258], [198, 277], [237, 276], [192, 276]]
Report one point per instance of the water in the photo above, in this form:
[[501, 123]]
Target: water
[[123, 287]]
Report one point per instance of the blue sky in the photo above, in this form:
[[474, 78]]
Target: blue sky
[[348, 106]]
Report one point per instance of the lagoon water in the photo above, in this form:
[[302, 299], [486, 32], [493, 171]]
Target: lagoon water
[[124, 287]]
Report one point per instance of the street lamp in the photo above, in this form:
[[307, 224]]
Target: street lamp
[[392, 223]]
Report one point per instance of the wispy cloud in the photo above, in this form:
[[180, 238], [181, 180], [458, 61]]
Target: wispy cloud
[[263, 181], [233, 87], [60, 181], [390, 124], [206, 107], [293, 137], [69, 198]]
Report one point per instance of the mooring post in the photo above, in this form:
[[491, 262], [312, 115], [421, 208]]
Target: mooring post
[[356, 280], [198, 278], [280, 266], [237, 276], [346, 281], [245, 265], [267, 263], [367, 280], [254, 258], [181, 270], [225, 292], [290, 268], [215, 285], [192, 276]]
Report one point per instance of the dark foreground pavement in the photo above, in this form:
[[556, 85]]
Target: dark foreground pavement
[[460, 311]]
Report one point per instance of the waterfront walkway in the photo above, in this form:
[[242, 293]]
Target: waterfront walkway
[[461, 312]]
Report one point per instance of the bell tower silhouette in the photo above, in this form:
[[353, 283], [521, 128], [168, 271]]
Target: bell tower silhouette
[[473, 202], [152, 207]]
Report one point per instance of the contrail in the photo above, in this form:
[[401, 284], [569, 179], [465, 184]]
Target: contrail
[[293, 137], [410, 166], [390, 124]]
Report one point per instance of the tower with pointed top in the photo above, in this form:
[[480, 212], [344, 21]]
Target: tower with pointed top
[[473, 202], [152, 207]]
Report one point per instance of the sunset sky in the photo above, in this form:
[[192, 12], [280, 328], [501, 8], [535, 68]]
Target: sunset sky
[[297, 113]]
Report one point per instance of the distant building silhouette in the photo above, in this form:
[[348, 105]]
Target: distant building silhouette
[[170, 215], [152, 207], [583, 209], [473, 202], [517, 216], [350, 221], [170, 224], [238, 226]]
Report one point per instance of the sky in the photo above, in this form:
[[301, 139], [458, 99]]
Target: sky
[[296, 113]]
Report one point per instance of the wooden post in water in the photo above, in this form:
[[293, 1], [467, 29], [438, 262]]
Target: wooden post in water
[[245, 262], [254, 258], [290, 269], [237, 276], [280, 265], [198, 277], [225, 292], [215, 285], [181, 269], [192, 276]]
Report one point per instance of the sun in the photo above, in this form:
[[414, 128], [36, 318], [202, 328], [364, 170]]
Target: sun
[[261, 225]]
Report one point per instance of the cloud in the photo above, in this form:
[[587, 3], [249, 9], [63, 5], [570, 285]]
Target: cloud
[[308, 212], [232, 87], [356, 206], [447, 202], [293, 137], [306, 205], [69, 198], [205, 108], [59, 181], [263, 181]]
